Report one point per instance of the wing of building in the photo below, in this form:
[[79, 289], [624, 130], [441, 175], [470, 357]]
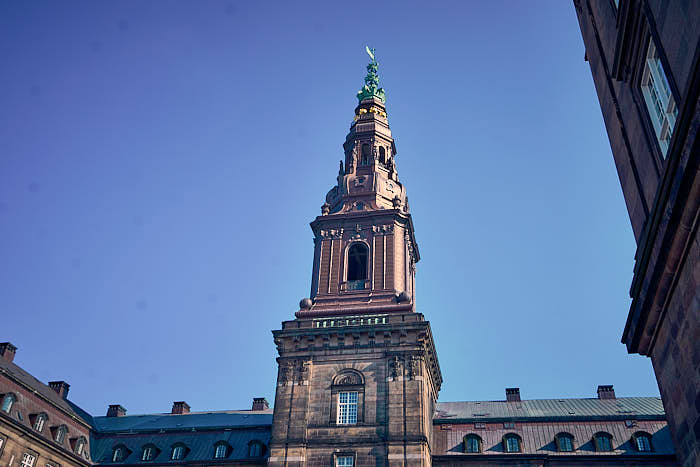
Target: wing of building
[[358, 374], [645, 60]]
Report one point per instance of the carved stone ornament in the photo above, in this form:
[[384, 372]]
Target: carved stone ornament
[[395, 366], [383, 229], [347, 379], [413, 366]]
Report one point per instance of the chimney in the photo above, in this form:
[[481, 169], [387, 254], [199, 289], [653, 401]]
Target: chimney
[[61, 388], [606, 392], [180, 408], [513, 394], [260, 403], [7, 351], [116, 410]]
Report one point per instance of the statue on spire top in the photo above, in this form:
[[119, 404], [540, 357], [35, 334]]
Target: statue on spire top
[[371, 87]]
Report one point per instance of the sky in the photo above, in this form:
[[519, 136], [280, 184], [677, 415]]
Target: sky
[[160, 163]]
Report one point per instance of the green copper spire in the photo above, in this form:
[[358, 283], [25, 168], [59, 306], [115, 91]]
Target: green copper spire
[[371, 87]]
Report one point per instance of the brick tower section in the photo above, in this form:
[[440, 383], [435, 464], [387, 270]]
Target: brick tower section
[[358, 373]]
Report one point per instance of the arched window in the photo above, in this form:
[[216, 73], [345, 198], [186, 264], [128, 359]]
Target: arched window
[[59, 434], [221, 450], [178, 452], [79, 446], [256, 448], [119, 453], [149, 453], [38, 421], [642, 441], [564, 442], [472, 443], [357, 263], [602, 441], [511, 443], [365, 154], [382, 155], [347, 394], [7, 402]]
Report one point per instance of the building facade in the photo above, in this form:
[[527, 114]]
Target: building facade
[[645, 60], [358, 375]]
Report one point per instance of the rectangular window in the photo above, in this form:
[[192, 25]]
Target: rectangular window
[[658, 98], [344, 461], [347, 408], [28, 460]]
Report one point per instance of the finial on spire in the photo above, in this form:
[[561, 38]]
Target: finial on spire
[[371, 87]]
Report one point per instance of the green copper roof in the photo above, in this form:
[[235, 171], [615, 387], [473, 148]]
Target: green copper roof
[[371, 87]]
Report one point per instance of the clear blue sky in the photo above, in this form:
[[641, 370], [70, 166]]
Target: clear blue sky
[[160, 162]]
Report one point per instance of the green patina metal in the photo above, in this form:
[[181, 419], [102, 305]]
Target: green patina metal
[[371, 87]]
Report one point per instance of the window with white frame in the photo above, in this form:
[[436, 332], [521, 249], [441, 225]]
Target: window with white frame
[[28, 460], [344, 461], [7, 402], [347, 408], [39, 422], [60, 434], [658, 98]]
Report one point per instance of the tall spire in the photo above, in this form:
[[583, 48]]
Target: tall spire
[[371, 87], [366, 252]]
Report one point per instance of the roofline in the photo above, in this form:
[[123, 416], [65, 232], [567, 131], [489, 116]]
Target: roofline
[[556, 399], [42, 397], [553, 418], [98, 432], [164, 414], [594, 458]]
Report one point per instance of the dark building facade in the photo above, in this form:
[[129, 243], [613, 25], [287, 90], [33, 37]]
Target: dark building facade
[[358, 375], [645, 60]]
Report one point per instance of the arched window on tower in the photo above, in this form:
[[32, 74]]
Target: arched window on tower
[[357, 266], [382, 155], [365, 154]]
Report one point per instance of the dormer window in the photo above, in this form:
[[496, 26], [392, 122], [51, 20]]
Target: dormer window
[[80, 446], [178, 452], [149, 453], [564, 442], [472, 444], [511, 443], [256, 449], [221, 450], [119, 454], [642, 441], [602, 442], [60, 434], [38, 421], [7, 402]]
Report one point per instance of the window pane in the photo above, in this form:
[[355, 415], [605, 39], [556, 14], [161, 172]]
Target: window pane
[[7, 403], [565, 444], [28, 460], [658, 98], [512, 444], [472, 444], [347, 407], [344, 461], [604, 443], [643, 443]]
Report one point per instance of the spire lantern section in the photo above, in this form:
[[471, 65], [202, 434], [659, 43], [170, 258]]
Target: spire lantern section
[[365, 249]]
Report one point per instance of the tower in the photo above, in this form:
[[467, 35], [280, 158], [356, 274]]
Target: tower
[[358, 373]]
